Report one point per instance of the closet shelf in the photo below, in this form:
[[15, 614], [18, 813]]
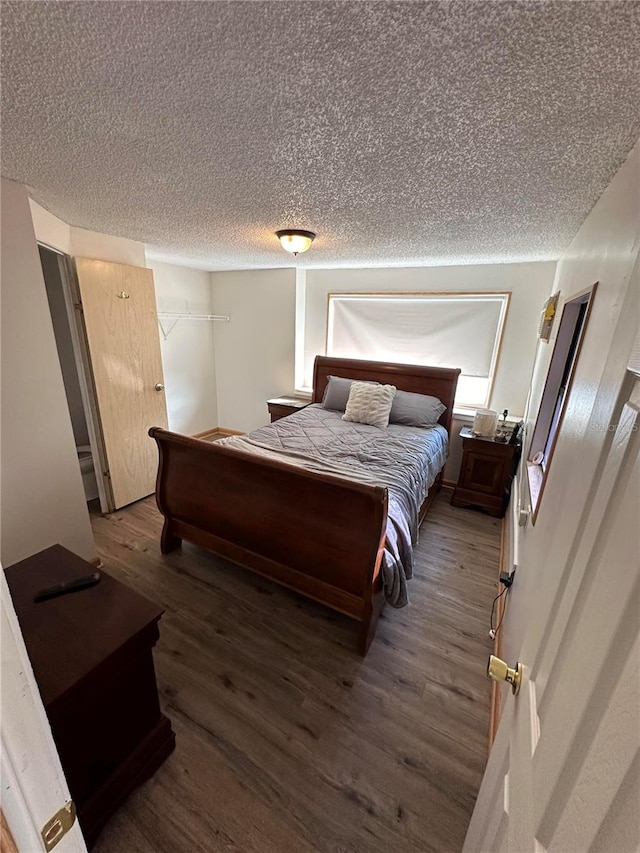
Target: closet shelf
[[175, 317]]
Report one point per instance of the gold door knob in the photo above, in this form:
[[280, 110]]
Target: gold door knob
[[500, 671], [159, 386]]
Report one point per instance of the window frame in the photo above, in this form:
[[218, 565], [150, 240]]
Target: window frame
[[470, 295]]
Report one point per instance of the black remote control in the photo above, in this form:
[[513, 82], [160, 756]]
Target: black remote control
[[67, 586]]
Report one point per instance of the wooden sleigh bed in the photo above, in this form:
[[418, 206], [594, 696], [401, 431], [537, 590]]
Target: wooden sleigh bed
[[316, 533]]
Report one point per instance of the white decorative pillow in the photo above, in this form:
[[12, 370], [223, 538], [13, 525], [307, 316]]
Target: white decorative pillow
[[369, 404]]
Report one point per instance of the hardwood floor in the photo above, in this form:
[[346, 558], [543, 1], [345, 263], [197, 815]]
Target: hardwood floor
[[287, 740]]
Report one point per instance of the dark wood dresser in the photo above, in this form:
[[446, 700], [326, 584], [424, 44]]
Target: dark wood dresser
[[486, 473], [91, 653]]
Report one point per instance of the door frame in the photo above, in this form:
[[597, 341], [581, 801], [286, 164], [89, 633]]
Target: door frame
[[73, 305]]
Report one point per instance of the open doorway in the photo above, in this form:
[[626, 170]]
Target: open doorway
[[56, 270]]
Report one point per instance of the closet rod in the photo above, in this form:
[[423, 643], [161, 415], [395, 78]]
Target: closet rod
[[168, 315]]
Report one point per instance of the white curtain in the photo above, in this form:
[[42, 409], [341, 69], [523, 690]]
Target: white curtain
[[443, 331]]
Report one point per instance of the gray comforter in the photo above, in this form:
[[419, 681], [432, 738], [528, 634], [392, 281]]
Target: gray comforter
[[404, 459]]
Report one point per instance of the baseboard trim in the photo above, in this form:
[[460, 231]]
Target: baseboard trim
[[96, 561], [494, 718], [216, 431], [205, 433]]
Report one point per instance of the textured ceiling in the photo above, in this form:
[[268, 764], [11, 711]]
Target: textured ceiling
[[402, 133]]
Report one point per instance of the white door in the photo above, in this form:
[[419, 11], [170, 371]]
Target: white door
[[564, 771], [33, 784], [121, 323]]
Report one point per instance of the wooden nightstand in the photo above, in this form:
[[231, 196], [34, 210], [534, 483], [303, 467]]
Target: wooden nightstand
[[280, 407], [486, 473]]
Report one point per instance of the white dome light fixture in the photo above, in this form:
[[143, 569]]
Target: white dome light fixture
[[295, 240]]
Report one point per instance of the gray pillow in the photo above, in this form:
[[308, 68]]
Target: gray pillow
[[336, 393], [415, 409]]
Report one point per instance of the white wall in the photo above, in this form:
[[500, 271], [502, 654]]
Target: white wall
[[50, 230], [41, 496], [188, 357], [106, 247], [605, 250], [187, 354], [255, 351], [530, 285], [81, 243]]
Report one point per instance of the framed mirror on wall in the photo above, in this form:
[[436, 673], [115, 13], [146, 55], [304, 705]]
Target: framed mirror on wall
[[566, 351]]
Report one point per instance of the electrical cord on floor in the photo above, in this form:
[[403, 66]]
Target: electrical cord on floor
[[494, 631]]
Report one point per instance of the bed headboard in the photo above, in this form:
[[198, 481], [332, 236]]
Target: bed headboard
[[438, 382]]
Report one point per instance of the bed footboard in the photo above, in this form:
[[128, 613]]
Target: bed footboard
[[318, 534]]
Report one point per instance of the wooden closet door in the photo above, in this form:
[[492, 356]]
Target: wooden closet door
[[119, 310]]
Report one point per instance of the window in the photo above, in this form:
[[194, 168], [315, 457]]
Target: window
[[556, 391], [440, 329]]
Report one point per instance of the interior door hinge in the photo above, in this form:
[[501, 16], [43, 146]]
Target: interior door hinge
[[59, 825], [78, 306]]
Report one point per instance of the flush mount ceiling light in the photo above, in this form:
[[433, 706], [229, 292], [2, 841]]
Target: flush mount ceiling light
[[295, 240]]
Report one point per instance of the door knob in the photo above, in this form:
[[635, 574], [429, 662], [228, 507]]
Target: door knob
[[159, 386], [500, 671]]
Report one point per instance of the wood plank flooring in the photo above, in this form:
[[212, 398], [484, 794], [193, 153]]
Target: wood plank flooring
[[287, 740]]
